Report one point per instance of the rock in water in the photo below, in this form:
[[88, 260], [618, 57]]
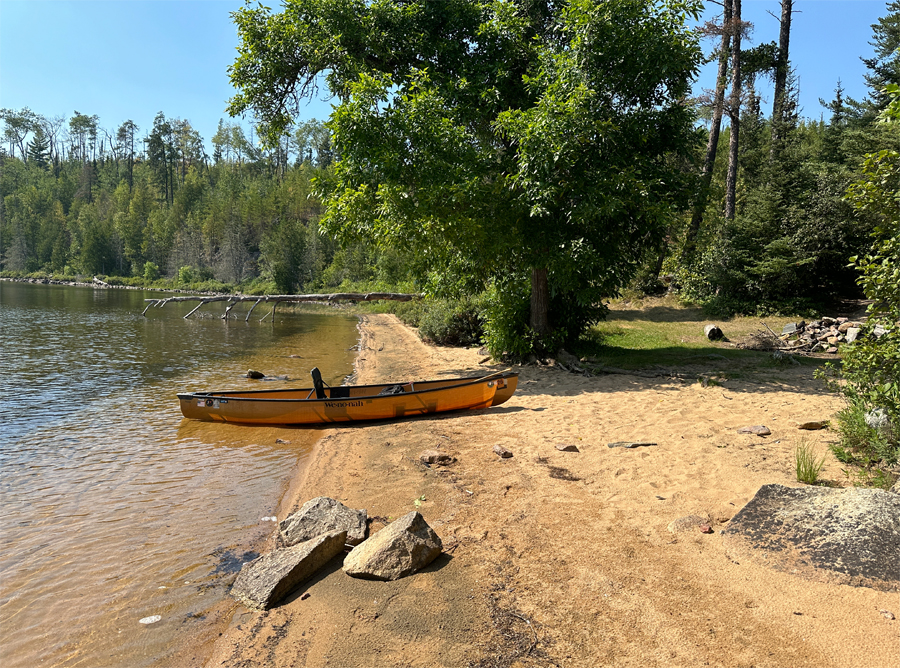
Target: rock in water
[[321, 515], [400, 549], [255, 374], [846, 536], [266, 580]]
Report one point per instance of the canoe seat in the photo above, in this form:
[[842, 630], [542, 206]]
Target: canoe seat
[[318, 384], [392, 389], [340, 392]]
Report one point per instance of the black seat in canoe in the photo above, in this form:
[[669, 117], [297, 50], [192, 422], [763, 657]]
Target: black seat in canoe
[[318, 383]]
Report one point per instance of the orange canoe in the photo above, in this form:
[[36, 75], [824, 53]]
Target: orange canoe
[[349, 403]]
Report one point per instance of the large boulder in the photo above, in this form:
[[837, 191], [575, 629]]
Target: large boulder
[[321, 515], [266, 580], [846, 536], [400, 549]]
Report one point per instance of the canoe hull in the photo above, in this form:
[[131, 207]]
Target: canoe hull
[[349, 404]]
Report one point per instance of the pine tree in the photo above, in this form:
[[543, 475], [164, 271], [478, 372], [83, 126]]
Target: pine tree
[[39, 149], [884, 66]]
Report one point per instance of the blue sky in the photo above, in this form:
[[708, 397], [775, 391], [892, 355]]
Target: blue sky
[[129, 59]]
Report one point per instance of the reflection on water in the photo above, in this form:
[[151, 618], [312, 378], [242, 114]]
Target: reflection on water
[[116, 509]]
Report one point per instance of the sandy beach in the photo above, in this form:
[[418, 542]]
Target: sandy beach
[[556, 558]]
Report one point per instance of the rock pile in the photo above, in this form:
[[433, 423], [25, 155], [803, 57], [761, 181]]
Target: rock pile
[[822, 336], [318, 532], [819, 336]]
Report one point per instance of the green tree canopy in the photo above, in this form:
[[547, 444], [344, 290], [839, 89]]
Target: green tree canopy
[[504, 143]]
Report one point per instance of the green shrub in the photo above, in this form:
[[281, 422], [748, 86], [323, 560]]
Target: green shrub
[[151, 271], [186, 275], [410, 312], [451, 322]]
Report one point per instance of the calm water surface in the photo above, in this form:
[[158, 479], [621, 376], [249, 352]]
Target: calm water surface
[[114, 508]]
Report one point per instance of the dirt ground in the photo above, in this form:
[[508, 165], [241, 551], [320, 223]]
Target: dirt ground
[[564, 558]]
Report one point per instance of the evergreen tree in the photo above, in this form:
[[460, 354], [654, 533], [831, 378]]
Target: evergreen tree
[[39, 149], [884, 66]]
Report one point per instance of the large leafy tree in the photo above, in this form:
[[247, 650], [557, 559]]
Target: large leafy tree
[[504, 143]]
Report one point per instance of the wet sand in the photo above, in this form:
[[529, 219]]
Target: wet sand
[[564, 558]]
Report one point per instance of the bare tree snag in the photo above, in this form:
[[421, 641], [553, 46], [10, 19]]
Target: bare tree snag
[[782, 66], [734, 113], [712, 145]]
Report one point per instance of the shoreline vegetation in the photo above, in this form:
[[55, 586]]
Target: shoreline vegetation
[[596, 533], [650, 336]]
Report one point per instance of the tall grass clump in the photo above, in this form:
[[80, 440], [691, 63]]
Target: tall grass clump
[[808, 467]]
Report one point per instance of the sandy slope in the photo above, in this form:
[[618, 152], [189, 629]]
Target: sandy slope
[[564, 558]]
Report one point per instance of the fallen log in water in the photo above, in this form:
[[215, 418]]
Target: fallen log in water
[[277, 299]]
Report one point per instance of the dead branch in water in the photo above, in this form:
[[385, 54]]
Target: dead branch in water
[[277, 299]]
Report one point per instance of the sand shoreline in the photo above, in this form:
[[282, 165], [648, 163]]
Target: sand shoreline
[[564, 558]]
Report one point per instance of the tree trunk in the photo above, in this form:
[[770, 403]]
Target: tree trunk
[[734, 113], [781, 67], [712, 145], [540, 302], [781, 71]]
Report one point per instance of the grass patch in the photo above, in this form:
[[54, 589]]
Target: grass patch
[[660, 331], [807, 465]]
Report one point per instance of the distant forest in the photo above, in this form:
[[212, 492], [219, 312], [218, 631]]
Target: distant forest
[[81, 199], [768, 225]]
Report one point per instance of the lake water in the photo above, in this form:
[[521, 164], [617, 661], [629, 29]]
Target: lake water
[[114, 508]]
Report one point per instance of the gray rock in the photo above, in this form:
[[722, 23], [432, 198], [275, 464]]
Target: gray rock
[[879, 331], [879, 421], [630, 444], [896, 488], [400, 549], [688, 523], [562, 447], [266, 580], [813, 425], [852, 334], [758, 429], [321, 515], [793, 327], [713, 333], [502, 452], [846, 536], [435, 457]]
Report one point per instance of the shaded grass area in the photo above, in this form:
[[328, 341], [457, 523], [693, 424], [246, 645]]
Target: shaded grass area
[[660, 332]]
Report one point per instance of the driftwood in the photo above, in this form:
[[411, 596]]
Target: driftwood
[[277, 299]]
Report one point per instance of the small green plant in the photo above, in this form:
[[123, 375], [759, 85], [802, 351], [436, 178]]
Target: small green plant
[[418, 502], [807, 465]]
